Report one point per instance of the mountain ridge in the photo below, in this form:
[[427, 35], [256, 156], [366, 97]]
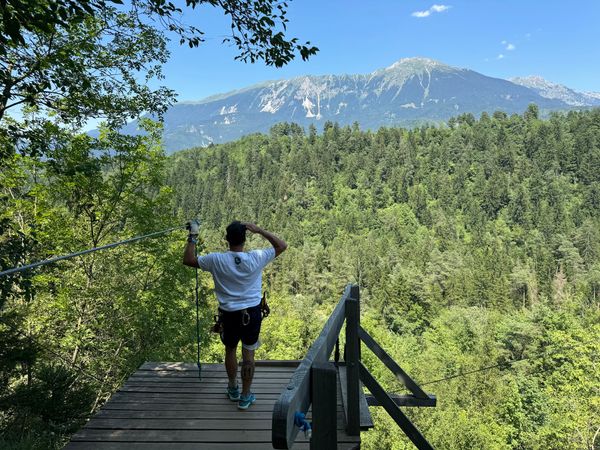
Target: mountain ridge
[[409, 92]]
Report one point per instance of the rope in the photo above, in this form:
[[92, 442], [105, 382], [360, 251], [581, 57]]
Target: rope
[[84, 252]]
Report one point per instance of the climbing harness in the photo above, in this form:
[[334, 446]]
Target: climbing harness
[[217, 326], [264, 307]]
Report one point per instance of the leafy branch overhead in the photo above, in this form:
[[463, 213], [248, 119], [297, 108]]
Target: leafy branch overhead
[[257, 26], [76, 60]]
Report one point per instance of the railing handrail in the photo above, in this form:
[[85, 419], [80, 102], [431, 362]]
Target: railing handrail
[[296, 397], [312, 382]]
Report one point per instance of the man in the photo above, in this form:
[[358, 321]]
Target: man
[[238, 284]]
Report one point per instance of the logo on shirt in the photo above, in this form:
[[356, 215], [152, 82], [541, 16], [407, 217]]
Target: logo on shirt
[[237, 259]]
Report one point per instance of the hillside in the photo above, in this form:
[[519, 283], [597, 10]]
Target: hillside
[[475, 245]]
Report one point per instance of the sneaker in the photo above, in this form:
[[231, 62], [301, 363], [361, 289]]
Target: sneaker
[[246, 401], [233, 393]]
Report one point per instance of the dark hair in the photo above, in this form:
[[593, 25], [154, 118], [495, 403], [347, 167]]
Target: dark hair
[[236, 233]]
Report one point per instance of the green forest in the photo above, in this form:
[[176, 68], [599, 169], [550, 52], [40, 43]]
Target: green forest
[[476, 245]]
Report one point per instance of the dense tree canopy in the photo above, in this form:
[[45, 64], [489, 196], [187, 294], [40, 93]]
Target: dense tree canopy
[[474, 244]]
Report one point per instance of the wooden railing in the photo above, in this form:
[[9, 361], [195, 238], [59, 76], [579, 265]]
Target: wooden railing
[[315, 380]]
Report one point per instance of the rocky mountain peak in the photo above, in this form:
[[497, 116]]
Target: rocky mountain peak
[[416, 64]]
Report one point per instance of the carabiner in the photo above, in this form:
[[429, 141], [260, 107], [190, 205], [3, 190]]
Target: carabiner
[[245, 318]]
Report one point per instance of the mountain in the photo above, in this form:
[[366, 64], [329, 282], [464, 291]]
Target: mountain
[[411, 91], [554, 91]]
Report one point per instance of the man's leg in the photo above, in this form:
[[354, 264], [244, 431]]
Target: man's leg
[[247, 370], [231, 365]]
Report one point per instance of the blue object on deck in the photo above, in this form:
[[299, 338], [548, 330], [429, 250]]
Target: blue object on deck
[[301, 422]]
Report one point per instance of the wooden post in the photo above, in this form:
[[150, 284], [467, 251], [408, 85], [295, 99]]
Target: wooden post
[[352, 361], [324, 406]]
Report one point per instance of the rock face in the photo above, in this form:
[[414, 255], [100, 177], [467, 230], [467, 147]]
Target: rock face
[[555, 91], [411, 91]]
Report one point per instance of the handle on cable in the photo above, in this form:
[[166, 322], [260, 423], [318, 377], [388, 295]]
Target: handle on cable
[[193, 226], [304, 425]]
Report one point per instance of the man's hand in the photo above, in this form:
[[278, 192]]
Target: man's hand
[[193, 226], [278, 244], [252, 227]]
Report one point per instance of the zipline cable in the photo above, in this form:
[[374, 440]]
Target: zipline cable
[[502, 366], [85, 252]]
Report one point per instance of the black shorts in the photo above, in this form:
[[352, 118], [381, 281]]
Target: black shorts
[[241, 325]]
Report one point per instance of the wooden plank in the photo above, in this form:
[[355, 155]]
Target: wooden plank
[[324, 387], [391, 364], [177, 396], [393, 410], [230, 424], [175, 375], [226, 412], [220, 381], [366, 420], [185, 366], [185, 399], [200, 436], [221, 385], [188, 407], [188, 446], [297, 395], [201, 389], [177, 378]]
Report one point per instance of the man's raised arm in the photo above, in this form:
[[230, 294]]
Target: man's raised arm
[[278, 244], [189, 254]]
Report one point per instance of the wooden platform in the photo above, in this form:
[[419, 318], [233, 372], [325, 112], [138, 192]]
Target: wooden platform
[[166, 406]]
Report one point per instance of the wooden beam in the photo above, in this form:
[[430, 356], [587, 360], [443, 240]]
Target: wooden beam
[[366, 421], [391, 364], [296, 396], [405, 400], [352, 361], [392, 409], [324, 406]]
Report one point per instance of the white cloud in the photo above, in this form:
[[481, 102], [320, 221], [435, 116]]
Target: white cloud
[[503, 42], [439, 8], [420, 14], [510, 47], [434, 9], [500, 56]]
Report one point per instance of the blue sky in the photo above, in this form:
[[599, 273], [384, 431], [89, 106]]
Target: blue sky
[[557, 39]]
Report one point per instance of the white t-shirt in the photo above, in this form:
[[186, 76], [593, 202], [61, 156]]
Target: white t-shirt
[[237, 276]]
